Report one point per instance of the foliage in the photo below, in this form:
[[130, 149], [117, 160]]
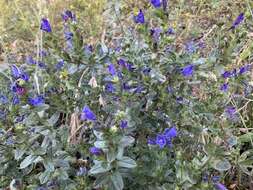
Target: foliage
[[19, 19], [140, 109]]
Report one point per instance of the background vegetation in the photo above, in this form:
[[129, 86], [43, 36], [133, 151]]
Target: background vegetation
[[212, 147]]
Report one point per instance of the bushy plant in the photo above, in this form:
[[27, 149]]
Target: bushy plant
[[139, 112]]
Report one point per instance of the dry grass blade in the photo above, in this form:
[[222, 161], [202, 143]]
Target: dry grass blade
[[74, 136]]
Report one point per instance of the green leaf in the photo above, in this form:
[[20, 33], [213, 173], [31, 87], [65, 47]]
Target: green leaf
[[104, 48], [53, 119], [44, 177], [62, 174], [111, 155], [126, 141], [120, 152], [98, 134], [27, 161], [38, 159], [232, 141], [101, 144], [101, 180], [98, 168], [246, 52], [126, 162], [18, 153], [41, 108], [246, 137], [222, 165], [49, 166], [117, 181]]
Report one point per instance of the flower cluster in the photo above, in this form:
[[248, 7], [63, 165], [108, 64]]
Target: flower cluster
[[237, 72], [164, 139], [152, 86]]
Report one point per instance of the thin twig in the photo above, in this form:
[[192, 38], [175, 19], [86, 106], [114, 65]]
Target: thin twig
[[243, 122]]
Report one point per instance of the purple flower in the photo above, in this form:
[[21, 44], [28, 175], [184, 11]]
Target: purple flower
[[52, 184], [244, 69], [82, 171], [139, 18], [122, 62], [224, 87], [25, 76], [151, 141], [15, 71], [130, 67], [59, 65], [146, 70], [2, 114], [41, 188], [190, 47], [226, 74], [3, 99], [36, 101], [220, 186], [216, 179], [2, 132], [126, 86], [42, 65], [234, 73], [45, 25], [88, 49], [118, 49], [156, 3], [19, 119], [205, 177], [123, 124], [68, 15], [155, 33], [161, 140], [238, 21], [201, 44], [18, 73], [187, 70], [168, 49], [30, 60], [10, 141], [138, 89], [170, 133], [88, 114], [109, 87], [95, 151], [15, 100], [180, 100], [119, 74], [170, 31], [43, 53], [165, 4], [230, 112], [68, 35], [20, 90], [111, 69], [170, 90]]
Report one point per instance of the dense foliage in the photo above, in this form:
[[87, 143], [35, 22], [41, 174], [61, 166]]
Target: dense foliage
[[134, 111]]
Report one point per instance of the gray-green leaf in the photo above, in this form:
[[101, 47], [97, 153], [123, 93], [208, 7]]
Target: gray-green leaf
[[98, 168], [27, 161], [117, 181], [222, 165], [126, 162]]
